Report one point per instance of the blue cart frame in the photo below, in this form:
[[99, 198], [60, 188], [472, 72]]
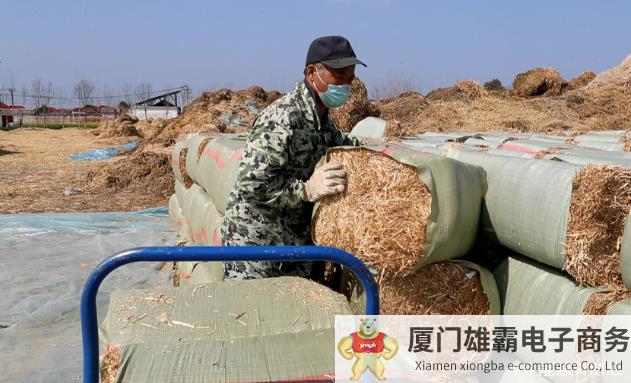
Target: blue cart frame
[[89, 324]]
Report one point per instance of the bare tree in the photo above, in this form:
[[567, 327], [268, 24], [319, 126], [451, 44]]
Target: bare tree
[[37, 90], [393, 84], [24, 95], [127, 94], [107, 94], [42, 92], [143, 91], [83, 90]]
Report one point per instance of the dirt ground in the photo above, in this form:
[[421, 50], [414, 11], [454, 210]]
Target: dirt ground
[[35, 171]]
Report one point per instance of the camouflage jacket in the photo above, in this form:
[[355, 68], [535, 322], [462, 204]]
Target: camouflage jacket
[[266, 206]]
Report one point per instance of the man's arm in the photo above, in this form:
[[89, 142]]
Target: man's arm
[[262, 175]]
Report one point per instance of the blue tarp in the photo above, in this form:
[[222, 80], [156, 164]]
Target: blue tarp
[[45, 261], [230, 120], [105, 153], [252, 106]]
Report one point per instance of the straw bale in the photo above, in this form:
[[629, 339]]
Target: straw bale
[[617, 75], [539, 82], [201, 147], [467, 90], [581, 80], [600, 203], [381, 217], [599, 302], [186, 179], [442, 288], [110, 364], [356, 108], [542, 153]]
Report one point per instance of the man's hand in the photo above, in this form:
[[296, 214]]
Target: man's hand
[[327, 179]]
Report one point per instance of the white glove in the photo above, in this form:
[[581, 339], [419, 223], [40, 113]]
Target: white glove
[[327, 179]]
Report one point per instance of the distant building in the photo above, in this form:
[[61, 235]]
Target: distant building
[[7, 116], [162, 106]]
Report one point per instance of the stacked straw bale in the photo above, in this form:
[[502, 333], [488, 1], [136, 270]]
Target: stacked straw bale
[[400, 212], [145, 331], [390, 215], [527, 287], [567, 216], [444, 288], [205, 170]]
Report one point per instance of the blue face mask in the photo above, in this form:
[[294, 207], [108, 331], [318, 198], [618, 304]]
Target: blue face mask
[[335, 95]]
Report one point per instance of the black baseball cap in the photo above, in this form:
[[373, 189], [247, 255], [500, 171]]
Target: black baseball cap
[[333, 51]]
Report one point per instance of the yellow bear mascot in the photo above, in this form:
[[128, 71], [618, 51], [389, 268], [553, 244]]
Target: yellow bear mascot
[[368, 345]]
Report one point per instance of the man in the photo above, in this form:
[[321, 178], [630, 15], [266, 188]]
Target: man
[[280, 177]]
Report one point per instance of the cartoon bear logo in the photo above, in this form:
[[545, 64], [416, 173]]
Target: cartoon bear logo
[[368, 346]]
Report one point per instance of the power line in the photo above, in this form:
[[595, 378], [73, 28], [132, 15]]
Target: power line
[[100, 97]]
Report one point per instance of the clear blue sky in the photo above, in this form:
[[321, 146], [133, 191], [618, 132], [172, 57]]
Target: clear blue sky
[[208, 44]]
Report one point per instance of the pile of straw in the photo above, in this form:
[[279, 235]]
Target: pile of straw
[[617, 75], [122, 126], [492, 113], [600, 203], [438, 289], [581, 80], [539, 82], [147, 173], [206, 114], [461, 91], [356, 108], [605, 107], [381, 217], [148, 128], [598, 303]]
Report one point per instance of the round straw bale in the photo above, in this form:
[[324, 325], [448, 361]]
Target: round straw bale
[[539, 82], [186, 179], [442, 288], [600, 203], [355, 109], [381, 217], [201, 147], [599, 302], [581, 80]]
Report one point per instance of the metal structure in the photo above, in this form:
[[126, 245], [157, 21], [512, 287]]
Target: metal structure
[[89, 323]]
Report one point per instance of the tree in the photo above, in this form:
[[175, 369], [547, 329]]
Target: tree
[[24, 95], [42, 92], [143, 91], [83, 90], [127, 94], [494, 84], [107, 94]]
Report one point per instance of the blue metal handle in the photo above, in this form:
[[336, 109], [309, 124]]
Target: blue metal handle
[[89, 324]]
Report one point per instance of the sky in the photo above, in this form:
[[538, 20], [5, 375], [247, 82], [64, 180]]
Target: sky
[[238, 43]]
